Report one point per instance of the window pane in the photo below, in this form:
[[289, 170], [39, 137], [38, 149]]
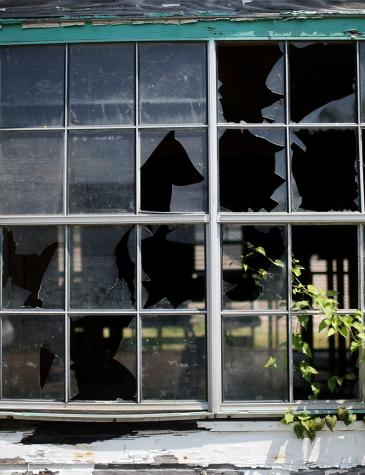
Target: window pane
[[330, 356], [101, 89], [173, 264], [32, 86], [33, 267], [33, 357], [31, 172], [173, 361], [252, 170], [245, 288], [329, 257], [249, 342], [173, 171], [325, 170], [102, 171], [172, 84], [102, 267], [322, 79], [251, 83], [103, 358]]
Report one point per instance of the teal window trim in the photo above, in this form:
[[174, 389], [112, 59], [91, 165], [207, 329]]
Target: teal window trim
[[75, 31]]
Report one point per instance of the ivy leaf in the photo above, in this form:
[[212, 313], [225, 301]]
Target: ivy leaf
[[344, 332], [288, 418], [330, 422], [303, 320], [350, 376], [245, 267], [319, 423], [355, 345], [331, 332], [350, 418], [324, 324], [307, 371], [271, 362], [316, 389], [261, 250], [278, 263], [332, 383], [299, 431]]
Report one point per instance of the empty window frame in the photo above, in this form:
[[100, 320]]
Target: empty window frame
[[142, 274]]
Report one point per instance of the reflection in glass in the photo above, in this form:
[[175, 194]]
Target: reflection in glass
[[101, 89], [102, 171], [322, 78], [31, 172], [172, 86], [324, 168], [102, 260], [33, 267], [251, 83], [173, 262], [330, 356], [103, 357], [329, 257], [32, 86], [252, 170], [249, 341], [173, 172], [33, 356], [173, 360], [245, 289]]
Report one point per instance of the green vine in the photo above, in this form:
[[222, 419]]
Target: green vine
[[350, 327]]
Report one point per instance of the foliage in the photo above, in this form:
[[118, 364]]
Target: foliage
[[309, 298]]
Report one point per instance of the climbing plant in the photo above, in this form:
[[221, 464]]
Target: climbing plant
[[350, 327]]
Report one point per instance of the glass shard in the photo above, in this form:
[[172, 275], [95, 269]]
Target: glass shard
[[103, 357], [324, 168], [101, 87], [252, 174], [178, 345], [174, 266], [244, 288], [33, 357], [251, 83], [102, 262], [249, 343], [33, 267], [322, 78], [173, 171]]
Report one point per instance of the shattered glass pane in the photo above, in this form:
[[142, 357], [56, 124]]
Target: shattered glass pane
[[252, 170], [102, 260], [329, 257], [249, 343], [103, 357], [31, 165], [33, 267], [32, 86], [178, 345], [243, 287], [330, 356], [172, 84], [101, 88], [173, 171], [33, 357], [322, 82], [325, 170], [101, 171], [251, 83], [173, 264]]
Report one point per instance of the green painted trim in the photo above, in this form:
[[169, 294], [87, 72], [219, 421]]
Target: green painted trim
[[344, 28]]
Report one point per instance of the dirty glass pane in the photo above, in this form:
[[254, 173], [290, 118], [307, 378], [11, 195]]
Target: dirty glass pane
[[101, 88], [245, 288], [324, 170], [32, 86], [102, 260], [173, 358], [33, 356], [322, 82], [31, 172], [103, 358], [251, 83], [33, 267], [101, 171], [172, 83], [330, 356], [329, 257], [252, 170], [174, 170], [248, 344], [173, 264]]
